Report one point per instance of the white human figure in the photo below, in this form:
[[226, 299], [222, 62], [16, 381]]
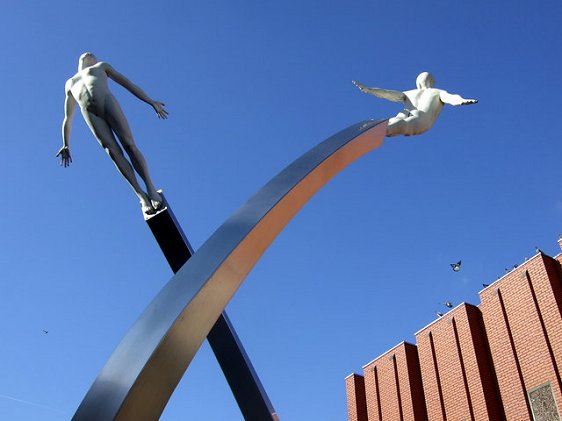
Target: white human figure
[[422, 106], [89, 89]]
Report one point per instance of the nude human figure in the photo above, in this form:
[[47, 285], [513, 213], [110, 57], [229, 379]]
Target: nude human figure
[[422, 106], [89, 89]]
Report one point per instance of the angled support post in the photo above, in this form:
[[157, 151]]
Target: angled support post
[[233, 360]]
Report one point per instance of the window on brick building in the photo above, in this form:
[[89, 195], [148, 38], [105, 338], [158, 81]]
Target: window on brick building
[[543, 403]]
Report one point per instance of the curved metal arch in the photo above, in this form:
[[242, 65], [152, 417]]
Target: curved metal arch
[[145, 368]]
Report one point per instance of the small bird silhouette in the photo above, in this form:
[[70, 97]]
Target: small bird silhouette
[[538, 250], [439, 314], [456, 266], [448, 304], [485, 285], [45, 331]]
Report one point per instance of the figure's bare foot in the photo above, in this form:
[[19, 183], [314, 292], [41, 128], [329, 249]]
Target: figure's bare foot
[[146, 205], [155, 200], [148, 209]]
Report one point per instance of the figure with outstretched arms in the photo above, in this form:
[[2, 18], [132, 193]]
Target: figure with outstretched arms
[[89, 89], [422, 105]]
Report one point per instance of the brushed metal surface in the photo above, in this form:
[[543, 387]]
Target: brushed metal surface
[[250, 395], [143, 371]]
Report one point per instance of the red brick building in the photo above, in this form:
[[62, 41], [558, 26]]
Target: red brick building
[[500, 360], [393, 384]]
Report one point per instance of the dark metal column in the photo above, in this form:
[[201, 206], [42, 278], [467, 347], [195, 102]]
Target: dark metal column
[[229, 351]]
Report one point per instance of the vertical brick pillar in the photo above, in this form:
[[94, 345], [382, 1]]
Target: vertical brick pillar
[[393, 386], [457, 374], [356, 401], [522, 316]]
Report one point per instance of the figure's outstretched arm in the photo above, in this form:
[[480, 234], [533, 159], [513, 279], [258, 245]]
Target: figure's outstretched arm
[[454, 99], [69, 110], [395, 96], [136, 91]]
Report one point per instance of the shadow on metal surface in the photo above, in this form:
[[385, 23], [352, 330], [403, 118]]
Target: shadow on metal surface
[[143, 371]]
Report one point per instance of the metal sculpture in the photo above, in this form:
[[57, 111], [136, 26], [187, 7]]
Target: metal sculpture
[[236, 366], [142, 373]]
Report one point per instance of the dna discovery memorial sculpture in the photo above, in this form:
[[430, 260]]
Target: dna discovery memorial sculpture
[[140, 376]]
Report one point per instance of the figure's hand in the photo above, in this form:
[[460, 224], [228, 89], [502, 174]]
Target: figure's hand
[[454, 99], [159, 108], [65, 158], [362, 87]]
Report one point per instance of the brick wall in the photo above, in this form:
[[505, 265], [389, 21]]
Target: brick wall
[[457, 373], [393, 386], [501, 360], [522, 315], [356, 401]]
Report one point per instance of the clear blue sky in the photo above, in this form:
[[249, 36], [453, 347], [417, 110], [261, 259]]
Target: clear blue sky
[[250, 86]]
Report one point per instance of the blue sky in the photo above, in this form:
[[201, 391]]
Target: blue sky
[[250, 86]]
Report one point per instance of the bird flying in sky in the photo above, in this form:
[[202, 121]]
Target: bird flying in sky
[[456, 266]]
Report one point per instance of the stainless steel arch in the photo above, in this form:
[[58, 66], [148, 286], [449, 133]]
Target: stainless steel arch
[[143, 371]]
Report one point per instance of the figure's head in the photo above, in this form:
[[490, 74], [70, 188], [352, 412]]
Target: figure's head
[[425, 80], [86, 60]]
